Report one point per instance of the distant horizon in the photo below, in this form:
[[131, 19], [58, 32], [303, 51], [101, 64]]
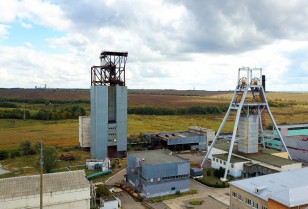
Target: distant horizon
[[147, 89]]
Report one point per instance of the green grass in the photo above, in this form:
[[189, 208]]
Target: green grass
[[168, 197], [28, 164], [196, 202], [211, 180]]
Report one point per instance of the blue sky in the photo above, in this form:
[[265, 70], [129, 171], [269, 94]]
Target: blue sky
[[171, 44]]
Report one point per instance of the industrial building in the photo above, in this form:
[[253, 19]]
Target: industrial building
[[298, 147], [278, 190], [84, 131], [109, 106], [249, 102], [60, 190], [157, 172], [265, 162], [195, 138], [292, 129]]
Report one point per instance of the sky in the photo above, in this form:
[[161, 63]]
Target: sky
[[171, 44]]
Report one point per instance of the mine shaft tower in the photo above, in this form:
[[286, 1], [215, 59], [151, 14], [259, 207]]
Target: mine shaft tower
[[248, 101], [109, 106]]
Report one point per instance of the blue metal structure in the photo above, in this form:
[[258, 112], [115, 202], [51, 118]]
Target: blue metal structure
[[157, 172]]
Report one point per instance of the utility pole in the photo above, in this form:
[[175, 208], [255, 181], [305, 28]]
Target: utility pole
[[41, 177]]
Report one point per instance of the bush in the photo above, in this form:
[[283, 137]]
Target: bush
[[178, 192], [3, 154], [50, 159], [219, 172], [196, 202], [27, 148], [15, 153], [208, 172], [102, 191]]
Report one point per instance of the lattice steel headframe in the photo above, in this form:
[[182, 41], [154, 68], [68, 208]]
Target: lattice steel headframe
[[111, 72], [248, 101]]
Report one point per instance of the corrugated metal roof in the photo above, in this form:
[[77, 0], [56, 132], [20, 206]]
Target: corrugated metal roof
[[288, 188], [54, 182], [157, 157]]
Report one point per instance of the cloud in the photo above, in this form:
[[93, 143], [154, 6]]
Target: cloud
[[38, 12], [3, 31], [171, 44]]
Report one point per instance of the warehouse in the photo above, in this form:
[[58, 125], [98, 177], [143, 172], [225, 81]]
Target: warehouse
[[195, 138], [292, 130], [279, 190], [157, 172], [60, 190]]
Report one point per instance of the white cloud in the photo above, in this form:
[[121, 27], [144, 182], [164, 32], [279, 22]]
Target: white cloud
[[171, 44]]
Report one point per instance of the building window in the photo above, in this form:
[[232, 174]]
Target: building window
[[263, 207], [255, 205], [214, 159], [240, 197], [224, 163], [172, 188], [248, 201], [234, 195], [220, 161]]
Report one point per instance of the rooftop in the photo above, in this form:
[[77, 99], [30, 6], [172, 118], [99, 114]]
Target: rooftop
[[288, 188], [262, 156], [178, 134], [293, 125], [234, 159], [53, 182], [157, 156]]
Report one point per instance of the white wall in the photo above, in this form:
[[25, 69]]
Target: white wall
[[235, 172]]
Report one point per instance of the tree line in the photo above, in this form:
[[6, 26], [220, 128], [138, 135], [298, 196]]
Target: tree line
[[148, 110], [72, 112]]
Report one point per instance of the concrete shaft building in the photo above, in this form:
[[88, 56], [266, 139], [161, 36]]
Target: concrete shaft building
[[157, 172], [109, 106]]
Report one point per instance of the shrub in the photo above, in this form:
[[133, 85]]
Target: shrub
[[102, 191], [15, 153], [178, 192], [208, 173], [3, 154]]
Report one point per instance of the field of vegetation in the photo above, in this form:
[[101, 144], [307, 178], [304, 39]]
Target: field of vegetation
[[51, 116]]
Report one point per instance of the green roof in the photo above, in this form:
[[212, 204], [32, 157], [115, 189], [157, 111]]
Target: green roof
[[234, 159]]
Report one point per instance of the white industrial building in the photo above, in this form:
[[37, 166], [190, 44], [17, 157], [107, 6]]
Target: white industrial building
[[237, 164], [60, 190], [84, 131]]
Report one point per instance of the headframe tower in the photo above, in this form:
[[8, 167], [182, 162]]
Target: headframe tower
[[248, 101], [109, 106]]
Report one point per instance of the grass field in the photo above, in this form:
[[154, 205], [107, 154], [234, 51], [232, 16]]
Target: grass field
[[64, 133]]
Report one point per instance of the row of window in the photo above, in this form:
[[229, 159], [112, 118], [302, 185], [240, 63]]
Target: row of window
[[112, 134], [112, 140], [112, 128], [222, 162], [248, 201], [175, 177]]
